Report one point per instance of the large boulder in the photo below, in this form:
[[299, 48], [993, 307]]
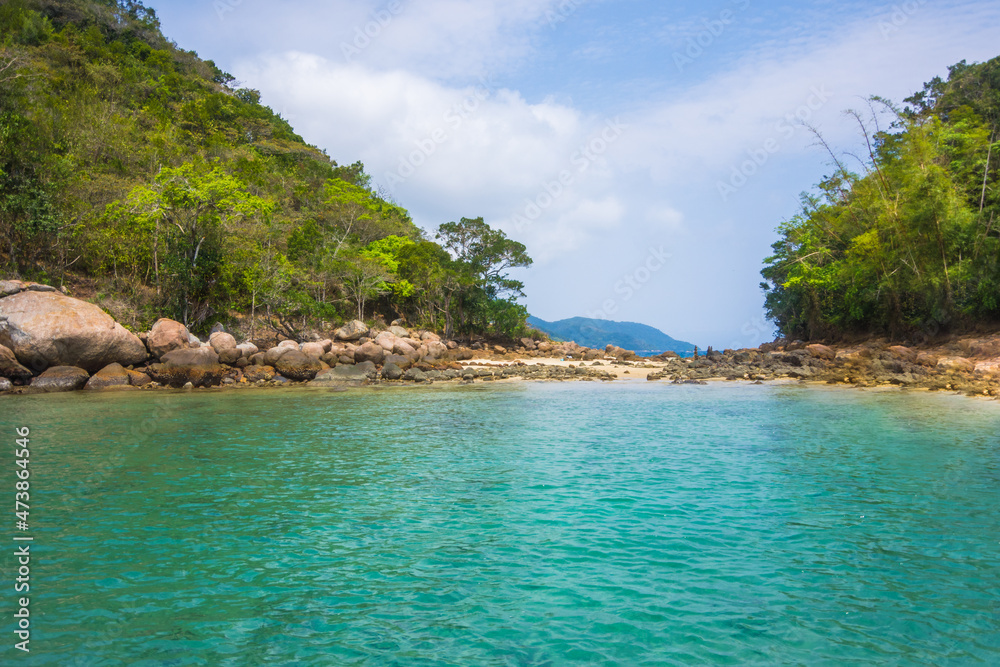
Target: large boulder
[[399, 332], [221, 341], [398, 360], [957, 364], [355, 330], [247, 349], [435, 350], [313, 350], [821, 352], [296, 366], [113, 376], [271, 356], [199, 366], [9, 366], [46, 329], [167, 336], [61, 378], [392, 372], [387, 340], [370, 351]]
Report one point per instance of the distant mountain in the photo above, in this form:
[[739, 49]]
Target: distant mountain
[[597, 334]]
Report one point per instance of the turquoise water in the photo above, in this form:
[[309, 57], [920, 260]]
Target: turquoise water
[[531, 524]]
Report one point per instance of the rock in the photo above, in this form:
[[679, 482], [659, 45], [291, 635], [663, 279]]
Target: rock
[[216, 328], [188, 386], [959, 364], [327, 344], [592, 355], [198, 366], [167, 336], [527, 343], [295, 365], [387, 340], [369, 368], [927, 359], [271, 356], [137, 379], [10, 287], [426, 336], [821, 352], [313, 350], [221, 341], [9, 366], [110, 377], [46, 329], [341, 375], [435, 350], [355, 330], [399, 332], [288, 345], [230, 356], [36, 287], [619, 353], [5, 385], [415, 375], [392, 372], [193, 341], [258, 373], [247, 349], [61, 378], [404, 349], [399, 360], [904, 353], [372, 352]]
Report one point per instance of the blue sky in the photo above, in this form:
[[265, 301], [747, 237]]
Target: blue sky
[[643, 151]]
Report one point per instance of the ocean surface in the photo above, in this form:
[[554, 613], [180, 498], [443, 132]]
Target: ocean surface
[[524, 524]]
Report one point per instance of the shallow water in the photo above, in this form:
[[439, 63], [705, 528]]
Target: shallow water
[[527, 524]]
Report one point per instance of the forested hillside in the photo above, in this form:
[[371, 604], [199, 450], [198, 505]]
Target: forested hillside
[[909, 244], [136, 174]]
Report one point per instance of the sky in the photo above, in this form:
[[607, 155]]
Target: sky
[[644, 152]]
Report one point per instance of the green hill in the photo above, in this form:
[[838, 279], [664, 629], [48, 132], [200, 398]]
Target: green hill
[[135, 173], [598, 334]]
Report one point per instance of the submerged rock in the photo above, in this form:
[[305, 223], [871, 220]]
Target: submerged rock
[[341, 375]]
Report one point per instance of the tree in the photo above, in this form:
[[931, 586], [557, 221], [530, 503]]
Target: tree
[[188, 210]]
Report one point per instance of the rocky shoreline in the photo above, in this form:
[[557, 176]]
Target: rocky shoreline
[[51, 342]]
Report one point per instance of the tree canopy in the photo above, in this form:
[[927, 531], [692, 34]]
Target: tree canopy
[[909, 246]]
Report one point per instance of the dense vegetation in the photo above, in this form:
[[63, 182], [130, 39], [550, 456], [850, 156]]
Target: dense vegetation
[[134, 170], [911, 245]]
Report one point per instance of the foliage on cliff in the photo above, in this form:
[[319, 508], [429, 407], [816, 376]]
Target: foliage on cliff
[[134, 164], [911, 245]]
